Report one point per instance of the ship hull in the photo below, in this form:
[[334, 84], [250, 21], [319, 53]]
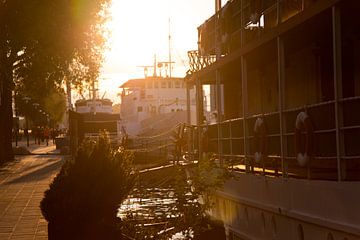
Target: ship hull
[[259, 207]]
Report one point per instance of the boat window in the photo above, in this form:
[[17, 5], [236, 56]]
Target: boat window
[[140, 109], [163, 84], [156, 84], [177, 84], [169, 84], [149, 85], [142, 94]]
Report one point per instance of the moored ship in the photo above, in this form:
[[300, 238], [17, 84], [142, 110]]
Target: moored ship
[[154, 104], [92, 115], [285, 80]]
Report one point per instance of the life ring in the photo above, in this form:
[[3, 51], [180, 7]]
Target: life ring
[[260, 139], [303, 150]]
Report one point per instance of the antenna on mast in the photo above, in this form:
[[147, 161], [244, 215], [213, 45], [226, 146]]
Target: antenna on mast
[[169, 50]]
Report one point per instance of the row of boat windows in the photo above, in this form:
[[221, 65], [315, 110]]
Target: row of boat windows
[[154, 109], [165, 84]]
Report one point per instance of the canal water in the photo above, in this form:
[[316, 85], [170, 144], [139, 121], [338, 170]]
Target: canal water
[[151, 211]]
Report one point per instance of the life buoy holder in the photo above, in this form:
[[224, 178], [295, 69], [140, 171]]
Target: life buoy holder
[[303, 147], [260, 140]]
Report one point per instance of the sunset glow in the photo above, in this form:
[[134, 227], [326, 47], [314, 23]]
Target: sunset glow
[[140, 30]]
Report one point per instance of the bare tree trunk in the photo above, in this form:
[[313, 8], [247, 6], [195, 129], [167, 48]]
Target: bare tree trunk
[[6, 118]]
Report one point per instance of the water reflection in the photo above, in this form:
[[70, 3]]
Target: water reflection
[[151, 212]]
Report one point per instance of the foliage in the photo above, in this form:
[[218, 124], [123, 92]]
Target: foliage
[[193, 191], [88, 190], [53, 103], [40, 43]]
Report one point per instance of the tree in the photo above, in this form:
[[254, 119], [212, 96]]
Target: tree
[[84, 197], [52, 102], [40, 43]]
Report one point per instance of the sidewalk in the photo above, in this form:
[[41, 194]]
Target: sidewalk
[[22, 185], [38, 149]]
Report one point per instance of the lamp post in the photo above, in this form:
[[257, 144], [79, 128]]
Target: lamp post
[[27, 99], [35, 134], [48, 119], [16, 129]]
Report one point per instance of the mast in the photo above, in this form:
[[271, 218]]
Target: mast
[[93, 90], [155, 74], [169, 50], [217, 5]]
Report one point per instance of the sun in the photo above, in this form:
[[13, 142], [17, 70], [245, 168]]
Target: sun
[[140, 29]]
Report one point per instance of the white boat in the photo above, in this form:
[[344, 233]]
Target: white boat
[[154, 104], [95, 114]]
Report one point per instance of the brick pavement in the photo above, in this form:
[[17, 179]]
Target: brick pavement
[[22, 185]]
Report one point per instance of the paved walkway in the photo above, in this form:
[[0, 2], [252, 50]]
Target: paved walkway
[[22, 185]]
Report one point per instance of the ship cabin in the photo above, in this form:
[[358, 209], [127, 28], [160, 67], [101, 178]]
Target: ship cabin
[[284, 80], [147, 101], [94, 105], [91, 117]]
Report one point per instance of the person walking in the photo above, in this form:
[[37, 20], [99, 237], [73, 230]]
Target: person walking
[[47, 135], [53, 134]]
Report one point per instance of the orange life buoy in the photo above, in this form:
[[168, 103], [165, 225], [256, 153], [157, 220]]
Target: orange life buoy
[[260, 140], [303, 147]]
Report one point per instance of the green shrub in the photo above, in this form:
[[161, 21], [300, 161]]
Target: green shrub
[[87, 191]]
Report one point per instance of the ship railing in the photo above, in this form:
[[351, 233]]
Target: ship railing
[[233, 142], [113, 137], [158, 148], [239, 23]]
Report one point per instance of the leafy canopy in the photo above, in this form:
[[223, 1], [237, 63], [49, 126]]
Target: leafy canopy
[[43, 43]]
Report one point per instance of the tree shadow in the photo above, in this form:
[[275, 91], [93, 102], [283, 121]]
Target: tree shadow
[[38, 174], [41, 162], [7, 166]]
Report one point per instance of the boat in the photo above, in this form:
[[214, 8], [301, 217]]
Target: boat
[[93, 115], [154, 104], [286, 80]]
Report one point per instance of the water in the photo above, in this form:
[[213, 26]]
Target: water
[[153, 212]]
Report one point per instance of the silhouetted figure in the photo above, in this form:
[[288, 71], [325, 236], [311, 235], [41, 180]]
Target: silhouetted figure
[[47, 135]]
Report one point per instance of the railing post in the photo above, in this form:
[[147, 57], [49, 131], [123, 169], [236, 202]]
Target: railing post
[[188, 115], [219, 113], [200, 115], [281, 79], [336, 28], [245, 109], [278, 12], [231, 138]]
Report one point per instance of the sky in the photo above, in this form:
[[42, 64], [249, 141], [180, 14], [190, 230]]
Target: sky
[[140, 29]]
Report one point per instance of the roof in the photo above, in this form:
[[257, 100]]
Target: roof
[[139, 82], [83, 102], [133, 83]]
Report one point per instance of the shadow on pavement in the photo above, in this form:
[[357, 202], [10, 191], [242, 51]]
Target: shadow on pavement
[[6, 167], [40, 163], [38, 174]]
